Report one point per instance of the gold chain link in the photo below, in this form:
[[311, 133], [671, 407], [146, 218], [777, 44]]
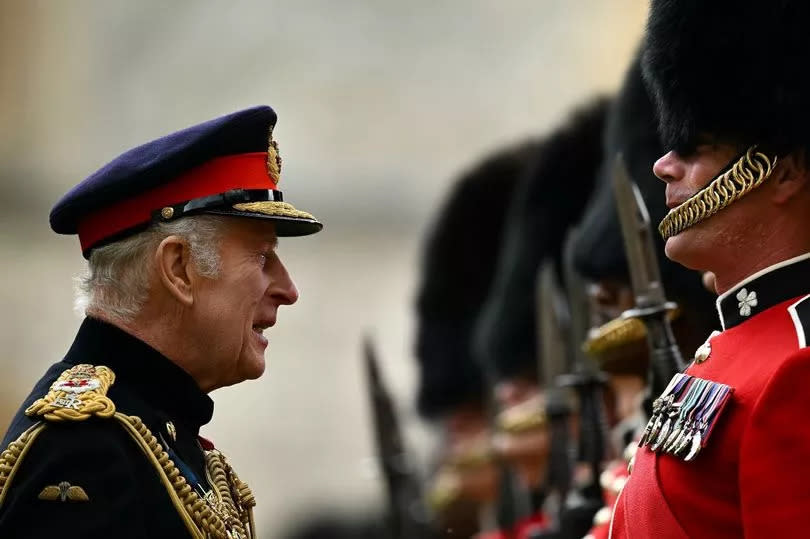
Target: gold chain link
[[746, 174]]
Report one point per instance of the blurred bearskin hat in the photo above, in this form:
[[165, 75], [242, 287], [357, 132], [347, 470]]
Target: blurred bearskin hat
[[549, 199], [598, 251], [732, 70], [457, 268]]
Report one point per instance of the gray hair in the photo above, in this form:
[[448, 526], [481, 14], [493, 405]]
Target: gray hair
[[116, 283]]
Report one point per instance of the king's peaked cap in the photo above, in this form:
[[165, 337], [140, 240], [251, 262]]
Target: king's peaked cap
[[228, 166]]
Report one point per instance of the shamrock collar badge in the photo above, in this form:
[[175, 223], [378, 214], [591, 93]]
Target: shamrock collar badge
[[746, 300]]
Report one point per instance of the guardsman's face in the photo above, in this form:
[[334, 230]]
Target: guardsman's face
[[698, 246], [609, 298], [234, 311]]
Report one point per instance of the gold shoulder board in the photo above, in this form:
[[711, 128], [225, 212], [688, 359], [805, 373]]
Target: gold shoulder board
[[79, 393]]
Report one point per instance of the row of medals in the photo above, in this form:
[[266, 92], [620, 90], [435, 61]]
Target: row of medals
[[683, 416]]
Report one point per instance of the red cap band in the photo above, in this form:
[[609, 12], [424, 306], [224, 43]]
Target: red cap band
[[241, 171]]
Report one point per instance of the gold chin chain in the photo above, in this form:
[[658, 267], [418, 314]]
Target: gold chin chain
[[746, 174]]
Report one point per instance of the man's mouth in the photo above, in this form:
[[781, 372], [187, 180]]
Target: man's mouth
[[261, 326], [674, 203]]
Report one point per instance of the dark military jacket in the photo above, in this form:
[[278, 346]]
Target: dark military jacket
[[105, 475]]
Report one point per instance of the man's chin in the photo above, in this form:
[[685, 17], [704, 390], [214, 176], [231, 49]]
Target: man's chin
[[684, 249], [254, 369]]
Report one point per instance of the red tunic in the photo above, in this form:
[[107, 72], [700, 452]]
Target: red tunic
[[752, 479]]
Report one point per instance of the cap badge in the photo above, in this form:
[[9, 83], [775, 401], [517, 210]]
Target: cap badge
[[273, 159]]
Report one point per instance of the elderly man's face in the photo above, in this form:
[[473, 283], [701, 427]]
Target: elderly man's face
[[232, 312]]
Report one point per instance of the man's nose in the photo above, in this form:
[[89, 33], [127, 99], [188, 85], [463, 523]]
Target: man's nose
[[282, 288], [669, 167]]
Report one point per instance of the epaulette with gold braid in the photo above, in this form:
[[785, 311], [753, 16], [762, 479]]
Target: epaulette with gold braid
[[225, 512], [78, 394]]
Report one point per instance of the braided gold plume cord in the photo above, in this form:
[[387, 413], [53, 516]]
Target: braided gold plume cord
[[746, 174]]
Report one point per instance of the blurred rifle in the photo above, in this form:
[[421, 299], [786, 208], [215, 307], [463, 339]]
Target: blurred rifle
[[586, 379], [406, 515], [553, 318], [652, 306]]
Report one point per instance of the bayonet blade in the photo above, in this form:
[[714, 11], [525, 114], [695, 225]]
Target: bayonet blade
[[407, 516], [551, 345], [645, 275]]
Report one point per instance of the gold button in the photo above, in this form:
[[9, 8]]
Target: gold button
[[167, 212]]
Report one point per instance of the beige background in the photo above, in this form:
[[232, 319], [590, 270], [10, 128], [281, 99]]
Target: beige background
[[380, 104]]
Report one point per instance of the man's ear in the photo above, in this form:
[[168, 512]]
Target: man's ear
[[790, 177], [174, 268]]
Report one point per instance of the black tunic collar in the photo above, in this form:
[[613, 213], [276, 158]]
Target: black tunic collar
[[764, 289], [142, 369]]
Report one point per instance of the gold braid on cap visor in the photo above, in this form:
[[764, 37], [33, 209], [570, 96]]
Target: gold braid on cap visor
[[747, 173]]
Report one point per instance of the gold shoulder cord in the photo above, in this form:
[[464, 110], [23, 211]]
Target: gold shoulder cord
[[217, 515], [746, 174], [79, 393], [13, 455]]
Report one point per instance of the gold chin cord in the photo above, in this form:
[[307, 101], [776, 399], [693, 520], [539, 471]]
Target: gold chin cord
[[747, 173]]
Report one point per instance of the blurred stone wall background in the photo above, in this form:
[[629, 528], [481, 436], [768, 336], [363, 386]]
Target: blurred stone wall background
[[380, 103]]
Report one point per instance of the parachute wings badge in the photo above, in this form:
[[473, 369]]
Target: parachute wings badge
[[63, 492]]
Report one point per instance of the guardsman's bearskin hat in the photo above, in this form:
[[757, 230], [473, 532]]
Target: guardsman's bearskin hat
[[550, 198], [598, 251], [456, 274], [631, 130], [734, 71]]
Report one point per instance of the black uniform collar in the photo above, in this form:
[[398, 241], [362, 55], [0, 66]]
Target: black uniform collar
[[764, 289], [138, 366]]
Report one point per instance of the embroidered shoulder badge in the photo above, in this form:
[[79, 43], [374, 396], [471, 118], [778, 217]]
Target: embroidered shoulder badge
[[684, 416], [79, 393], [63, 492]]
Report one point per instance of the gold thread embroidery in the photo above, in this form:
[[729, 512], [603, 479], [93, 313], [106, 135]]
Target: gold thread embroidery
[[280, 209], [79, 393], [63, 492], [746, 174], [273, 159]]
